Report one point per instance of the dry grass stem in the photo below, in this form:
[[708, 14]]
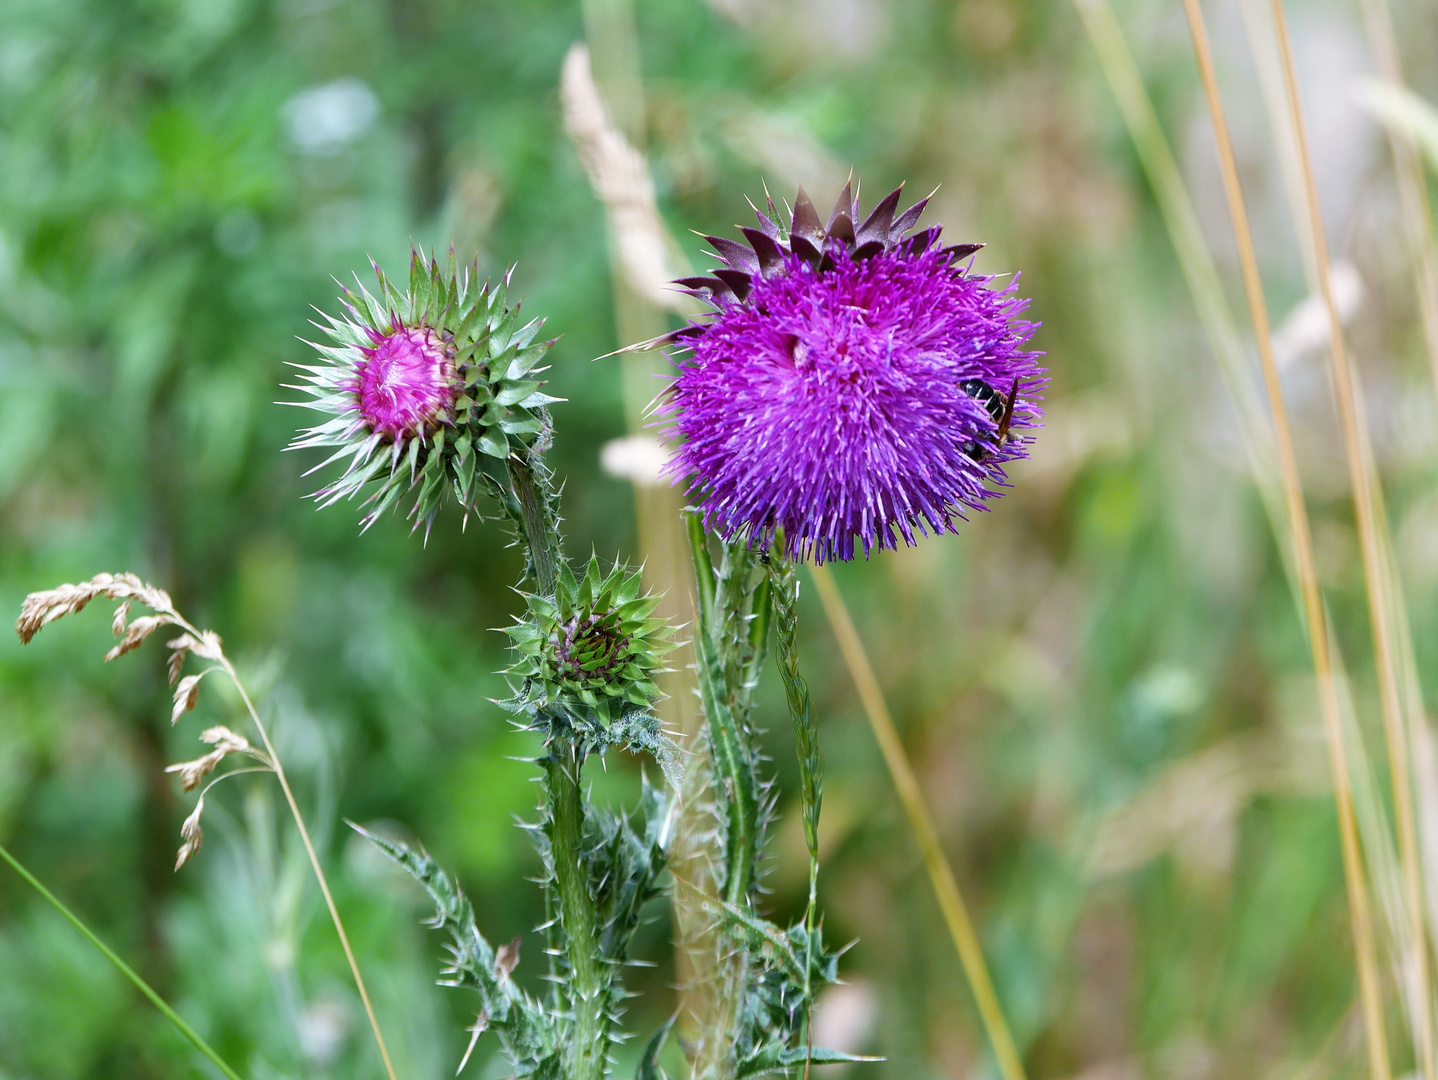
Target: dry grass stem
[[620, 177], [941, 874], [1302, 540], [1364, 486], [42, 608]]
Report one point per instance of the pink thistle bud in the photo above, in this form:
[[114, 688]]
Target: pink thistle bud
[[406, 383]]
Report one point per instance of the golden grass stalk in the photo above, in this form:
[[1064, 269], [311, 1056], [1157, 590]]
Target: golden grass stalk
[[1302, 540], [1195, 262], [941, 874], [314, 864], [1366, 512]]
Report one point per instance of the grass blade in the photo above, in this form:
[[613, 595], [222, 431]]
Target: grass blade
[[1372, 548], [125, 969]]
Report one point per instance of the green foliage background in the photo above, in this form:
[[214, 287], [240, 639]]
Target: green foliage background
[[1103, 683]]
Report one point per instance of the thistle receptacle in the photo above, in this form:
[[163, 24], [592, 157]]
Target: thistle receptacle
[[592, 647]]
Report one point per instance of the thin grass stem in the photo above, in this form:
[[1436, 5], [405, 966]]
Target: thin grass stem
[[1302, 538], [125, 969], [1364, 500], [1194, 260], [941, 874], [314, 864]]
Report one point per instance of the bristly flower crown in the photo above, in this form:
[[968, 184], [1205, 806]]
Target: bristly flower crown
[[420, 385], [856, 382]]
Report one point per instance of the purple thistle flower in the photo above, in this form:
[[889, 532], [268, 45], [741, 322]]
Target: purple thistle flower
[[854, 383], [405, 384]]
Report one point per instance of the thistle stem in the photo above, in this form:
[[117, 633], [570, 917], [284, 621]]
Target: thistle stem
[[784, 594], [140, 984], [535, 518], [588, 979], [734, 785]]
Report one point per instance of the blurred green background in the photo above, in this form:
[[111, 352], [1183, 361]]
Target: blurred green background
[[1103, 683]]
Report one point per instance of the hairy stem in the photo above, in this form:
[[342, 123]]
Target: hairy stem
[[784, 590], [588, 978], [537, 519], [140, 984], [733, 763]]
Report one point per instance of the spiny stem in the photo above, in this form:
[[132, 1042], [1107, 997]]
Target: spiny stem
[[1302, 539], [140, 984], [941, 875], [589, 982], [784, 593], [732, 761], [314, 863], [531, 489]]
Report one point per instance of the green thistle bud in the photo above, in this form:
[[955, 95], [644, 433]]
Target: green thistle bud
[[420, 386], [592, 648]]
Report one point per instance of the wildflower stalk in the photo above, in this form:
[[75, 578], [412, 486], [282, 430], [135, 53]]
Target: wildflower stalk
[[784, 583], [589, 981], [906, 784], [1302, 540], [736, 786], [125, 969]]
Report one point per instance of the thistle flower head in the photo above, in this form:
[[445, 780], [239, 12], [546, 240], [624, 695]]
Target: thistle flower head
[[857, 382], [419, 386], [593, 646]]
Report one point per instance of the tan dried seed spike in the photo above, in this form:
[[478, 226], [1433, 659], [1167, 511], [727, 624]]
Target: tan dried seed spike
[[185, 696], [117, 622], [223, 736], [180, 648], [139, 630], [208, 646], [192, 772], [192, 834]]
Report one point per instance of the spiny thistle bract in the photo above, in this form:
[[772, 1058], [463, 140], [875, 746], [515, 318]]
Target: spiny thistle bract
[[857, 380], [593, 645], [421, 384]]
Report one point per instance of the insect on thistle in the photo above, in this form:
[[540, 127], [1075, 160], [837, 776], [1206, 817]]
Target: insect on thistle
[[999, 406]]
